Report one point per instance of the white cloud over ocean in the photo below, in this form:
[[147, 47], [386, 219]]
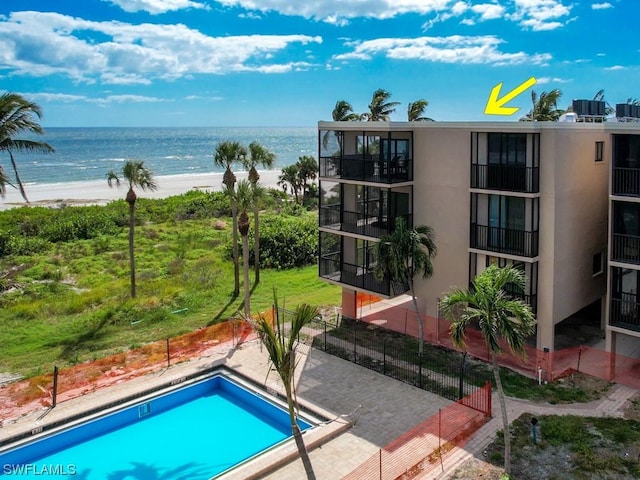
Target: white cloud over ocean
[[453, 49], [45, 43]]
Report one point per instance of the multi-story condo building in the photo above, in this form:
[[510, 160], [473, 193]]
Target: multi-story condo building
[[624, 246], [530, 194]]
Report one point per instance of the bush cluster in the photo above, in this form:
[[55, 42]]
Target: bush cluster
[[288, 241]]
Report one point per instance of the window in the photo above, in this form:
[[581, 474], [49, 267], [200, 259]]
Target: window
[[507, 148], [598, 264], [599, 151]]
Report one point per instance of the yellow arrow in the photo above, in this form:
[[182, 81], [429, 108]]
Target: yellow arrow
[[495, 105]]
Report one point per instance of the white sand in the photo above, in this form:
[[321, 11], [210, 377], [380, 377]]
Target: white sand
[[98, 192]]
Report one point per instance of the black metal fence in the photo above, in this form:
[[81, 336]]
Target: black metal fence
[[446, 373]]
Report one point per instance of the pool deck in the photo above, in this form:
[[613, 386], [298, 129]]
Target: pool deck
[[366, 410]]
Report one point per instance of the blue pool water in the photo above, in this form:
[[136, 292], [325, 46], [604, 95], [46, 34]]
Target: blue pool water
[[192, 433]]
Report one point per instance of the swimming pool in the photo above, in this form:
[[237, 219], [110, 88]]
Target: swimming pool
[[194, 432]]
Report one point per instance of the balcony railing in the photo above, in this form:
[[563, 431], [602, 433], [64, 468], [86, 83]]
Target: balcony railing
[[504, 240], [625, 313], [626, 181], [626, 248], [514, 178], [355, 222], [367, 168], [332, 268]]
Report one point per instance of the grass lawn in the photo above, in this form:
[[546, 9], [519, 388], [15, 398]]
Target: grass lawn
[[70, 302]]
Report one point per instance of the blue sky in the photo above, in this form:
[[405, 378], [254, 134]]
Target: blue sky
[[287, 62]]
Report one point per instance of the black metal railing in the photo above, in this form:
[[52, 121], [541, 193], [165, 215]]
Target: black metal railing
[[331, 216], [626, 181], [331, 268], [329, 167], [626, 248], [515, 178], [397, 357], [370, 168], [504, 240], [625, 313]]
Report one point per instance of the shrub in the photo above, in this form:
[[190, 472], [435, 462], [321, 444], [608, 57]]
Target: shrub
[[288, 242]]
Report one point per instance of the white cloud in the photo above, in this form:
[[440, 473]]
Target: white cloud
[[545, 80], [340, 11], [540, 15], [66, 98], [40, 44], [530, 14], [488, 11], [452, 49], [601, 6], [156, 6], [615, 67], [127, 99]]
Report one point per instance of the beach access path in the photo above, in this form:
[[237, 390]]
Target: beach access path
[[98, 192]]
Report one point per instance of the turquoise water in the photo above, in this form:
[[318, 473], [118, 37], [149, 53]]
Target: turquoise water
[[89, 153], [183, 437]]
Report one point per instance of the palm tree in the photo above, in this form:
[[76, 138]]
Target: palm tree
[[608, 109], [545, 108], [281, 346], [343, 112], [18, 115], [415, 111], [291, 175], [3, 183], [308, 172], [380, 108], [403, 254], [258, 155], [244, 197], [224, 156], [488, 306], [135, 174]]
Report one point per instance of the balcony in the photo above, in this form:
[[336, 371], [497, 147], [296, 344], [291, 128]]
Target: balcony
[[626, 248], [367, 168], [624, 313], [504, 240], [626, 181], [331, 268], [514, 178], [353, 222]]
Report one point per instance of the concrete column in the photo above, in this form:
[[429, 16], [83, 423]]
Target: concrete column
[[349, 303]]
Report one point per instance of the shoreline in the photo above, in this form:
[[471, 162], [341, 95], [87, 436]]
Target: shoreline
[[98, 192]]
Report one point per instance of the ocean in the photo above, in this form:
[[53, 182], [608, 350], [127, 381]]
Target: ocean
[[89, 153]]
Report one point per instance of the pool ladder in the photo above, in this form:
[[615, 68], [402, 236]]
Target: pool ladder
[[144, 409]]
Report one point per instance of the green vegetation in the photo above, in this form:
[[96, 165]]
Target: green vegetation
[[64, 276], [572, 447]]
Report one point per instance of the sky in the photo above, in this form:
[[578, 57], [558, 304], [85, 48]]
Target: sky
[[287, 62]]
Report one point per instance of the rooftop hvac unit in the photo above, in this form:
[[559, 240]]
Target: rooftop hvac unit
[[625, 110], [580, 107]]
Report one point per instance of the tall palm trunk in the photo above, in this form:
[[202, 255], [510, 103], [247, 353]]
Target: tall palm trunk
[[297, 434], [18, 180], [131, 200], [503, 409], [256, 246], [236, 260], [419, 320], [245, 264]]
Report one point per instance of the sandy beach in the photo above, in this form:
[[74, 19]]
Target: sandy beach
[[98, 192]]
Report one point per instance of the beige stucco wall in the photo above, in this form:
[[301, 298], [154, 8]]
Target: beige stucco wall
[[441, 201]]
